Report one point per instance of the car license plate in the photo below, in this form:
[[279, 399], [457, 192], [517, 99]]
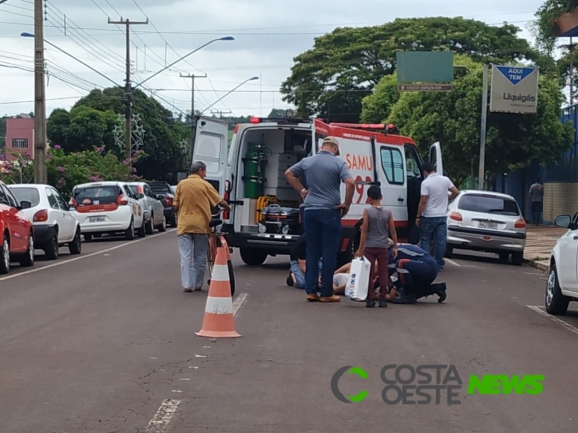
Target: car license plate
[[98, 219], [488, 225]]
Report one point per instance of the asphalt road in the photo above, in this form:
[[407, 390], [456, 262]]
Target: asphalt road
[[105, 343]]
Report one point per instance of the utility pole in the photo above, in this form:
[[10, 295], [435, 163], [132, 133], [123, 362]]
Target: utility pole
[[128, 88], [220, 112], [40, 175], [192, 77]]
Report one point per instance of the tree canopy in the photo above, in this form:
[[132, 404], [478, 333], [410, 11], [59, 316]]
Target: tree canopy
[[453, 118], [344, 66], [91, 122]]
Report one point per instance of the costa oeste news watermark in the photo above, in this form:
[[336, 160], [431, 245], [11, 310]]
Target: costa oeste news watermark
[[439, 384]]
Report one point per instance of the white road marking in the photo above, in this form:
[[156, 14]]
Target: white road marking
[[84, 257], [163, 417], [200, 356], [176, 390], [566, 325], [241, 299], [185, 378], [453, 263]]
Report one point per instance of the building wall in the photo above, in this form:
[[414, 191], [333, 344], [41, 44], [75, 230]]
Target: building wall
[[19, 137], [560, 199]]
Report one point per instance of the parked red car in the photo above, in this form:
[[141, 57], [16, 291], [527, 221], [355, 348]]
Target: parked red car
[[16, 232]]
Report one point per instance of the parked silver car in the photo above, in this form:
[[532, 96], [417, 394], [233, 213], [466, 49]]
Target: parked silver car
[[154, 211], [486, 221]]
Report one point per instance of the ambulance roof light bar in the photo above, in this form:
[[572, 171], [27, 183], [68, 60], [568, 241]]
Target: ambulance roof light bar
[[381, 127]]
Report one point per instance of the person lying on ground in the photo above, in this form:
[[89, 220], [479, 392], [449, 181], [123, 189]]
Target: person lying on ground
[[342, 276], [297, 259]]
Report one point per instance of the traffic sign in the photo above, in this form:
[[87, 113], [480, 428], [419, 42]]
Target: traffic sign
[[424, 87]]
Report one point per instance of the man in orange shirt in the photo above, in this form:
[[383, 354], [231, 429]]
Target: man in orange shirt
[[194, 199]]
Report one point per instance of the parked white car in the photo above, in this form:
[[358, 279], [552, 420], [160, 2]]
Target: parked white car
[[107, 207], [154, 211], [562, 285], [53, 222], [486, 221]]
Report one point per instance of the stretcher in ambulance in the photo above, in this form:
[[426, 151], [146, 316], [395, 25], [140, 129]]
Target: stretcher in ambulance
[[251, 177]]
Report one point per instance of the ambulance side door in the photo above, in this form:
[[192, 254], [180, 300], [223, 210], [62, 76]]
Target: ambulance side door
[[390, 161], [210, 147], [435, 157]]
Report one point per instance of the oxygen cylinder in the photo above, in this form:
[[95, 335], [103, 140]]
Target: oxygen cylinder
[[254, 182]]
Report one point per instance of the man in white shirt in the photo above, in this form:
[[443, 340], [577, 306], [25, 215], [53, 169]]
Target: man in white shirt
[[433, 210]]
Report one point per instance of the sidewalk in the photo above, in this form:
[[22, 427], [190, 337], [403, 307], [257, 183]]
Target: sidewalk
[[539, 243]]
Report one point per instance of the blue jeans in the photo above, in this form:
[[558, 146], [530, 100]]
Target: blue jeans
[[430, 228], [299, 276], [323, 233]]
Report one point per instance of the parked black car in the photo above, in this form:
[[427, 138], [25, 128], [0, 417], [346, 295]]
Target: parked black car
[[165, 194]]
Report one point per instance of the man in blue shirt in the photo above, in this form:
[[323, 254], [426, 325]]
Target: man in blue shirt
[[416, 270], [322, 213]]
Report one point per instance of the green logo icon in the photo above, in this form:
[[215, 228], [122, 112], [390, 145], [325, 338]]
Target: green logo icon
[[358, 371]]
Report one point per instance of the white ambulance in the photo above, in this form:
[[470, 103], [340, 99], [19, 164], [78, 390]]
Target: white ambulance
[[250, 175]]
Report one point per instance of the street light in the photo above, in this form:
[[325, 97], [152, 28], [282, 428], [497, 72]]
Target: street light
[[229, 92], [30, 35], [225, 38]]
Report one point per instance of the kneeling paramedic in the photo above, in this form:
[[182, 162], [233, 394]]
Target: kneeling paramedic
[[416, 271]]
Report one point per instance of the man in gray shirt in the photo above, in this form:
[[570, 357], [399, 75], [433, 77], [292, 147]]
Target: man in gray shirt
[[537, 199], [322, 213]]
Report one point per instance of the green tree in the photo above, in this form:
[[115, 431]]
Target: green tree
[[453, 118], [92, 119], [343, 67]]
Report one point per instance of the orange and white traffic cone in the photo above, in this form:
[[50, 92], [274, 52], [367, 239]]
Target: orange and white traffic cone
[[219, 321]]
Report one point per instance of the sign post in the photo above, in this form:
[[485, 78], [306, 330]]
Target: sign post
[[482, 168], [514, 90]]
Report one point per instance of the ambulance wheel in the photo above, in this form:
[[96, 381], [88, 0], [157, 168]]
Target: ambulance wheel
[[253, 257]]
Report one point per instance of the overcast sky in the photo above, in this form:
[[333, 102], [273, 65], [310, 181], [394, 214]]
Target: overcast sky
[[268, 35]]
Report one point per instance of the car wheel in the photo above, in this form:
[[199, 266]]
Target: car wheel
[[173, 221], [28, 259], [163, 226], [556, 302], [4, 255], [150, 227], [517, 258], [253, 257], [449, 251], [87, 237], [504, 257], [129, 232], [75, 247], [51, 248], [142, 232]]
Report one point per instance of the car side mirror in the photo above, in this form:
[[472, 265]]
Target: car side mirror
[[564, 221], [140, 195], [25, 205], [161, 197]]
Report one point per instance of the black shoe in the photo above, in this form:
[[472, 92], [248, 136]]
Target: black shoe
[[382, 303], [369, 303], [440, 290], [411, 299], [290, 280]]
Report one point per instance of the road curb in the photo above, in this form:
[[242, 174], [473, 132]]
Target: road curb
[[540, 266]]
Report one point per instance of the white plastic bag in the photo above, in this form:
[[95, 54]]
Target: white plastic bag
[[358, 279]]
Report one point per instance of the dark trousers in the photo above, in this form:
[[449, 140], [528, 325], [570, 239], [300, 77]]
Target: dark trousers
[[431, 228], [537, 208], [382, 256], [416, 276], [323, 234]]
